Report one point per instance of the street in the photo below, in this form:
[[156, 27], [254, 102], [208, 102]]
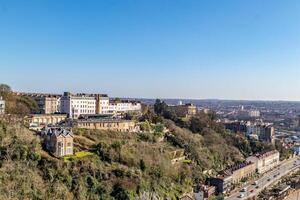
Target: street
[[266, 180]]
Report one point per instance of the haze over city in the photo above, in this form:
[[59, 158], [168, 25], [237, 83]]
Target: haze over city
[[169, 49]]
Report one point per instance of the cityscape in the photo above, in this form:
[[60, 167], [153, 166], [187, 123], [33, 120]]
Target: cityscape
[[149, 100], [273, 133]]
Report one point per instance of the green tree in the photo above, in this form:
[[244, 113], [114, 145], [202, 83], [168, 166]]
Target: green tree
[[117, 146], [4, 88], [119, 193], [142, 165]]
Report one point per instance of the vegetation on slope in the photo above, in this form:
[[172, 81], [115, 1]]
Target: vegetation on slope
[[20, 105], [121, 165]]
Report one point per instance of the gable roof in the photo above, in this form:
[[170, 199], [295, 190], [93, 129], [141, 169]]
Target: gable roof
[[57, 132]]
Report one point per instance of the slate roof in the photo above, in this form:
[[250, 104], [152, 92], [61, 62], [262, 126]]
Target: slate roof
[[57, 131]]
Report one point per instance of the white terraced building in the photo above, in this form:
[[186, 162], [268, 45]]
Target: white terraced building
[[121, 106], [89, 104], [2, 106], [76, 105]]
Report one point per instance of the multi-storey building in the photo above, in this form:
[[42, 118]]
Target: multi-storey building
[[2, 106], [236, 126], [122, 106], [48, 104], [233, 175], [78, 104], [242, 170], [252, 129], [262, 131], [58, 141], [267, 134], [223, 183], [265, 162]]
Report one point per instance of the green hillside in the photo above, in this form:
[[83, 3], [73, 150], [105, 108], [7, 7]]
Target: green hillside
[[110, 165]]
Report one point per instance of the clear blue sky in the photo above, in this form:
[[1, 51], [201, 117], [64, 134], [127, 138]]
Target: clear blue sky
[[229, 49]]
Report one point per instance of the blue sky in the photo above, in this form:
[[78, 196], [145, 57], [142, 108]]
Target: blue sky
[[230, 49]]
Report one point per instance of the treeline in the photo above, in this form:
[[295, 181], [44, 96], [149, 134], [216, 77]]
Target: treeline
[[19, 105]]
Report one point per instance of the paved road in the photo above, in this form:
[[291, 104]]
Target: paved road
[[267, 179]]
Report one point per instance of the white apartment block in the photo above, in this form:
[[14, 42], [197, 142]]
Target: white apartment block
[[76, 105], [265, 162], [88, 104], [2, 106], [122, 106]]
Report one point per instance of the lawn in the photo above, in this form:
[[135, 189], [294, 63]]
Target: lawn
[[80, 154]]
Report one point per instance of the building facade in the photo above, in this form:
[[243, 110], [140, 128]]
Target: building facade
[[48, 104], [118, 125], [58, 141], [262, 131], [267, 134], [123, 106], [242, 171], [78, 104], [88, 104], [232, 176], [221, 183], [265, 162], [102, 104], [2, 106], [46, 119]]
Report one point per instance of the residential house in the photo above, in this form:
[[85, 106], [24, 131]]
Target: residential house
[[58, 141]]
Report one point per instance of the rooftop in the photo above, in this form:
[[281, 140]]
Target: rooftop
[[269, 153], [57, 131], [112, 101], [84, 95]]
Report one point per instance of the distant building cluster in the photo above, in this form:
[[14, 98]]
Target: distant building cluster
[[257, 130], [75, 105], [243, 113], [2, 106]]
